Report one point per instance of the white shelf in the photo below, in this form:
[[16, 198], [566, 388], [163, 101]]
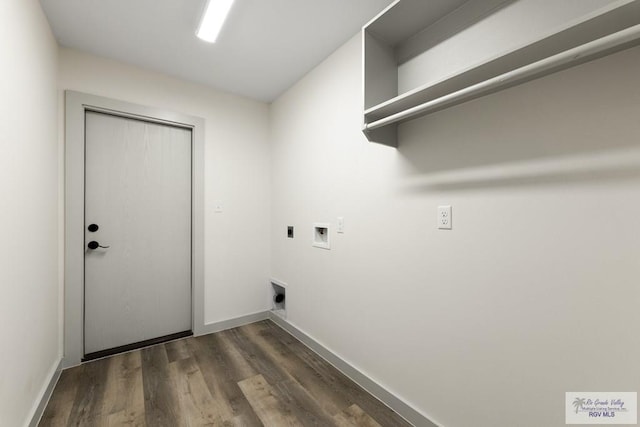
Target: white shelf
[[410, 27]]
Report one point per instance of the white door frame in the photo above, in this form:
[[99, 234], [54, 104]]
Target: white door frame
[[76, 104]]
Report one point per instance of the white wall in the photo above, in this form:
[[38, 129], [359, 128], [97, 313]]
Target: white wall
[[29, 325], [533, 293], [236, 172]]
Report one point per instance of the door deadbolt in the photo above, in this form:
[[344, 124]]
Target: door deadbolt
[[93, 228]]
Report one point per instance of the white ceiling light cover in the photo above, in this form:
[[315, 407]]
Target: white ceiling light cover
[[213, 19]]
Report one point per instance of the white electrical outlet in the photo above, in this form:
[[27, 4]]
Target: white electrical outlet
[[340, 227], [444, 217]]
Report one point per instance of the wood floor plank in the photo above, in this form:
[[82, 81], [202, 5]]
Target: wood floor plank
[[302, 404], [197, 406], [59, 407], [123, 401], [161, 401], [177, 350], [123, 418], [228, 354], [221, 369], [261, 361], [115, 419], [87, 406], [322, 385], [264, 402], [333, 379], [354, 416]]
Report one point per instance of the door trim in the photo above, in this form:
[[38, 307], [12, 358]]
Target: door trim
[[76, 104]]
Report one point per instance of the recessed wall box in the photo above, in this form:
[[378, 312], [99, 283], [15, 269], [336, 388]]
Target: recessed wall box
[[278, 298], [321, 236]]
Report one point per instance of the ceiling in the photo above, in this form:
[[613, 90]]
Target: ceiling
[[264, 47]]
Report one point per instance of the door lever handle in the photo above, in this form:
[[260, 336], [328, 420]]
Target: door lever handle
[[95, 245]]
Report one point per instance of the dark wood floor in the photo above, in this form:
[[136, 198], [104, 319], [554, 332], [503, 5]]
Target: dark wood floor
[[249, 376]]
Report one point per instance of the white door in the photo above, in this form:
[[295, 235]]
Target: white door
[[138, 194]]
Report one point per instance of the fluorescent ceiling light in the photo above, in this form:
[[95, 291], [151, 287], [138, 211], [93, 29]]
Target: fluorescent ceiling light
[[213, 19]]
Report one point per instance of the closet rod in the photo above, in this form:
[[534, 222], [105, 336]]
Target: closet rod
[[583, 53]]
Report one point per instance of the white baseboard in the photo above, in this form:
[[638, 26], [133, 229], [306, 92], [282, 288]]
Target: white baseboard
[[210, 328], [45, 395], [383, 395]]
